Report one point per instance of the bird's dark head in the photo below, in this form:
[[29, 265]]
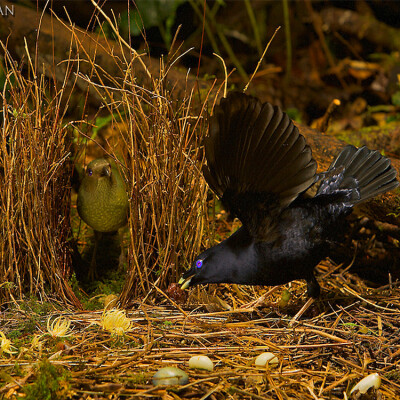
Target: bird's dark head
[[215, 265], [98, 168], [198, 273]]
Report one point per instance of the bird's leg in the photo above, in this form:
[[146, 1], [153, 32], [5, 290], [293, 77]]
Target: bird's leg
[[313, 291], [122, 256], [92, 273], [313, 288]]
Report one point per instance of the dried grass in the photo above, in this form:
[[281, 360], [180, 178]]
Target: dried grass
[[160, 142], [35, 194], [168, 196], [342, 338]]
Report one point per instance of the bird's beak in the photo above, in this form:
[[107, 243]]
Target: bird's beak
[[106, 171], [184, 282], [187, 278]]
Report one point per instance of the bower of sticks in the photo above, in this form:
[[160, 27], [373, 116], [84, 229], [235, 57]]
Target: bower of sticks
[[70, 95]]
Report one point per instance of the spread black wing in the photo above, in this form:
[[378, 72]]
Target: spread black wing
[[257, 161]]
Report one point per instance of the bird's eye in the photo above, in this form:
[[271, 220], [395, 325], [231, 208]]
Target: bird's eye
[[89, 172], [199, 263]]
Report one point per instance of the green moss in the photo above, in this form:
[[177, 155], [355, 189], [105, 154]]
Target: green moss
[[377, 137], [349, 137], [138, 379], [111, 284], [393, 375], [294, 114], [17, 369], [21, 334], [51, 383], [34, 306]]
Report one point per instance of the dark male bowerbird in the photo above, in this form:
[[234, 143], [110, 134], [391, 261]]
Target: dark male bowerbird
[[259, 165]]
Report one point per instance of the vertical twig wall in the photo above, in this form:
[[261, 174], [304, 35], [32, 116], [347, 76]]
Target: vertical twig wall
[[35, 173]]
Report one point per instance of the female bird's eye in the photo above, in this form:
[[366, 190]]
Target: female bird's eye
[[199, 263], [89, 172]]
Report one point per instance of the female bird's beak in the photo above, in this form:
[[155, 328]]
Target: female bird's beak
[[106, 171]]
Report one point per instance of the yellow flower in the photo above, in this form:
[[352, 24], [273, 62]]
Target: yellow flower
[[116, 322], [35, 342], [59, 327], [6, 346]]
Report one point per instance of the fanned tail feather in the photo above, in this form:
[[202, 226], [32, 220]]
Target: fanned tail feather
[[359, 174]]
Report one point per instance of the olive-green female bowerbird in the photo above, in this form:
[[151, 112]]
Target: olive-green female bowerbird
[[102, 200]]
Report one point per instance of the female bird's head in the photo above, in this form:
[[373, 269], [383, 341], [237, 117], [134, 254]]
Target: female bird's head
[[98, 168]]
